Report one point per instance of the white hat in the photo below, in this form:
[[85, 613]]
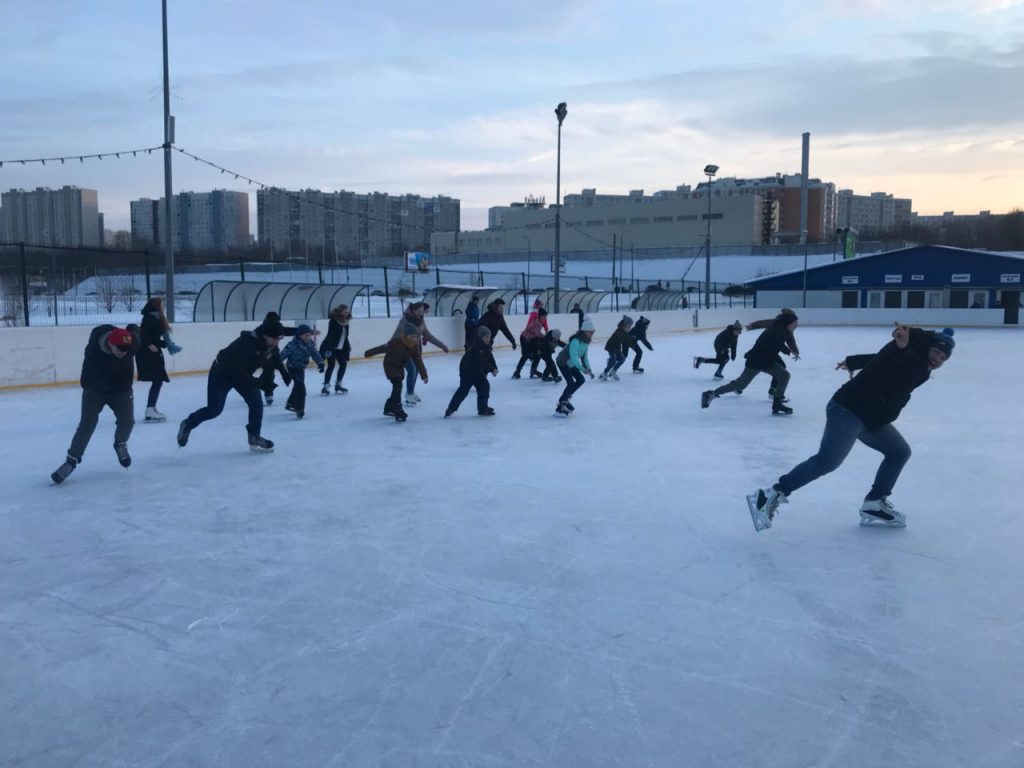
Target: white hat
[[588, 325]]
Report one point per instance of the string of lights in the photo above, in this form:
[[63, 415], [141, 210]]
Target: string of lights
[[80, 158]]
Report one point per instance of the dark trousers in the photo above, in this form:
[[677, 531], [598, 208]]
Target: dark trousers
[[773, 387], [550, 369], [394, 403], [635, 346], [470, 332], [466, 383], [527, 351], [842, 430], [779, 374], [123, 406], [574, 379], [615, 361], [218, 384], [297, 399], [720, 361], [154, 393], [341, 358]]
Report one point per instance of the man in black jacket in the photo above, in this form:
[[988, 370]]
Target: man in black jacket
[[233, 368], [725, 348], [864, 409], [639, 336], [762, 359], [494, 320], [476, 363], [108, 370]]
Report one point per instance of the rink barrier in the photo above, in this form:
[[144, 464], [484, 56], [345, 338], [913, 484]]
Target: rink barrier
[[52, 355]]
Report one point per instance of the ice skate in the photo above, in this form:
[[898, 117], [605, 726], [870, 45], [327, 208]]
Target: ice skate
[[696, 362], [486, 412], [152, 414], [534, 375], [183, 432], [880, 513], [613, 375], [123, 457], [268, 400], [718, 377], [638, 370], [516, 375], [324, 390], [706, 397], [259, 444], [448, 412], [562, 409], [64, 470], [603, 377], [764, 505], [389, 409], [401, 415], [570, 406], [339, 390], [779, 408]]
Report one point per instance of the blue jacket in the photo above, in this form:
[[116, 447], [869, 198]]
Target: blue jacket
[[296, 353]]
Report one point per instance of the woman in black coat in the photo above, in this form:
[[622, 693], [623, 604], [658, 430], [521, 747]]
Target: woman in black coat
[[150, 357]]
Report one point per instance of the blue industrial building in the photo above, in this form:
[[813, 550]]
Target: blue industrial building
[[921, 277]]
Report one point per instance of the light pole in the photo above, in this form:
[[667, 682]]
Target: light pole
[[560, 112], [710, 170], [168, 202]]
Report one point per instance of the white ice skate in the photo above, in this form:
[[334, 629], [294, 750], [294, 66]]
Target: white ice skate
[[152, 414], [880, 513], [613, 375], [412, 399], [764, 505]]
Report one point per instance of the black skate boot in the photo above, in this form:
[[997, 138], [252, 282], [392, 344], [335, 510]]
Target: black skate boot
[[268, 400], [401, 415], [486, 412], [340, 390], [779, 408], [183, 432], [389, 409], [516, 375], [123, 457], [324, 390], [562, 409], [258, 444], [64, 470], [448, 412], [764, 505], [706, 397], [638, 370]]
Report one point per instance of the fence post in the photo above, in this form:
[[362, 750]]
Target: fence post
[[320, 271], [387, 292], [149, 293], [526, 294], [241, 268], [437, 274], [24, 282], [56, 318]]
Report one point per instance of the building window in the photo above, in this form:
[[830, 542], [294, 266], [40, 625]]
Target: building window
[[704, 217], [640, 220], [687, 217], [893, 299], [613, 222], [915, 299], [595, 223], [934, 299], [851, 299], [662, 219], [979, 299], [958, 299]]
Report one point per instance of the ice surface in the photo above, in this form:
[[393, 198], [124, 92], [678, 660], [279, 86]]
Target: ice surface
[[522, 590]]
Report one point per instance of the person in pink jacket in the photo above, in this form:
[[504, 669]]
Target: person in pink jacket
[[536, 329]]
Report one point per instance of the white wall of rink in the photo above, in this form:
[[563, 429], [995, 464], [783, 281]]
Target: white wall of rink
[[53, 355]]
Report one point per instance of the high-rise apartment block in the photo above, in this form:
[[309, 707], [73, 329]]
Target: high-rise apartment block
[[202, 221], [349, 226], [68, 216], [874, 213]]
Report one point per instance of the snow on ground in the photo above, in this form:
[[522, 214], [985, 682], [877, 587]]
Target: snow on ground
[[522, 590]]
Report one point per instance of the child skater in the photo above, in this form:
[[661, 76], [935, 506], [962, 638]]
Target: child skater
[[295, 356], [405, 345], [617, 346], [573, 363], [546, 348], [476, 363], [725, 349], [336, 348]]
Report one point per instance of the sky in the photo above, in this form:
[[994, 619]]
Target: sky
[[919, 98]]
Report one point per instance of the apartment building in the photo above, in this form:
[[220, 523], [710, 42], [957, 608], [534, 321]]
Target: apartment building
[[68, 216]]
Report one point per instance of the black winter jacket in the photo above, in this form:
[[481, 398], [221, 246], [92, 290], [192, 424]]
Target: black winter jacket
[[882, 389], [639, 332], [102, 371], [769, 344], [496, 323], [546, 344], [330, 342], [477, 361], [151, 364], [244, 356], [618, 342], [726, 342]]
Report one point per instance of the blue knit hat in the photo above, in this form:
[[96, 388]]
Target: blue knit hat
[[944, 340], [302, 330]]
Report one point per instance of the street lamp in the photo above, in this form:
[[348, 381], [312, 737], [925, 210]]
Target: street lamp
[[560, 112], [529, 261], [710, 170]]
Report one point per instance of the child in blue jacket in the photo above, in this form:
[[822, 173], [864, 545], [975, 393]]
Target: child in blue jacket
[[295, 356], [573, 363]]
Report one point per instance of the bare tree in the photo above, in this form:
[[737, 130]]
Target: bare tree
[[12, 303], [106, 290], [127, 293]]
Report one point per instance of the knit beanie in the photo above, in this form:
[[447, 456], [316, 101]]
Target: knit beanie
[[944, 340], [483, 332], [787, 316]]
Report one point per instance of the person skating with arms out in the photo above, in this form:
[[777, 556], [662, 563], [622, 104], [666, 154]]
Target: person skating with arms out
[[725, 349], [296, 356], [336, 348], [406, 346], [637, 337], [864, 409], [573, 363], [476, 363], [617, 347], [108, 370], [791, 348], [762, 359], [494, 319], [233, 368]]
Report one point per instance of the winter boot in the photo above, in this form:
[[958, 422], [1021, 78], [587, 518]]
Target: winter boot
[[258, 444], [880, 513], [764, 505], [325, 390], [183, 432], [706, 397], [779, 408], [123, 457], [152, 414], [64, 470]]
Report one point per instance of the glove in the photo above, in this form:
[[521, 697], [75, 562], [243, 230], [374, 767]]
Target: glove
[[320, 368], [514, 347]]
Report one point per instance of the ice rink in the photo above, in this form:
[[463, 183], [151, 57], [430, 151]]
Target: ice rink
[[523, 590]]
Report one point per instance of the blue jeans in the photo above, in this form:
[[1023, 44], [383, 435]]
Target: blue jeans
[[218, 384], [615, 361], [410, 376], [842, 430]]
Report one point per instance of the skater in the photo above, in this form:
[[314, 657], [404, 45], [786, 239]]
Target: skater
[[494, 319], [108, 371], [791, 346], [150, 357], [762, 358], [404, 346], [546, 348], [336, 348], [864, 409], [266, 379], [417, 312], [476, 363], [233, 368], [725, 349], [578, 311], [617, 346], [296, 355], [638, 336], [535, 329], [573, 363], [472, 320]]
